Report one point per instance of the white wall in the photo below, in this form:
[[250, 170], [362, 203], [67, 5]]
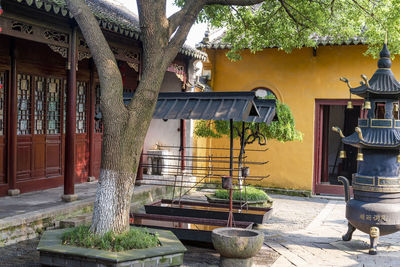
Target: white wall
[[165, 132], [168, 132]]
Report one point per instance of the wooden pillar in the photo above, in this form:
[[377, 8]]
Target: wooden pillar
[[92, 127], [70, 125], [12, 131]]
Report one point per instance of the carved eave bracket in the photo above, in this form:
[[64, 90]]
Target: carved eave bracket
[[179, 71], [63, 51], [130, 56], [83, 55], [134, 66]]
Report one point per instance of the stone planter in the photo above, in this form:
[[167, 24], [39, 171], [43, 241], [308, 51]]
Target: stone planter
[[237, 246], [54, 253]]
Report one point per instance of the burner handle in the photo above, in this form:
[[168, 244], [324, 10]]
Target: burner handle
[[346, 185]]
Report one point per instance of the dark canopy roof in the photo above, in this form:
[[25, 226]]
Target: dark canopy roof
[[238, 106], [267, 110], [382, 83]]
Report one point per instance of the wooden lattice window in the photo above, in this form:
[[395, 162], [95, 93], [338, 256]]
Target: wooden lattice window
[[81, 107], [24, 100], [2, 102], [39, 127], [53, 105], [97, 110]]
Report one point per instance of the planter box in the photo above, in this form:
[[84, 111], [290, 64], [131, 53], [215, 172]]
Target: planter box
[[54, 253], [258, 203], [208, 210], [185, 228]]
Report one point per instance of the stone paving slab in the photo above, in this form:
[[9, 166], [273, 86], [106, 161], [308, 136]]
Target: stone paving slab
[[320, 243], [40, 200]]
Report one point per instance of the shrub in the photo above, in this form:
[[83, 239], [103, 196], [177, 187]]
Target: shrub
[[135, 238], [253, 194]]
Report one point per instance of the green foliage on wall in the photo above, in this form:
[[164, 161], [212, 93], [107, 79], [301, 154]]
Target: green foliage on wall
[[284, 129]]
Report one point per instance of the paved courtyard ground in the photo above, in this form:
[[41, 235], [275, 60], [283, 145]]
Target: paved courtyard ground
[[292, 213], [37, 201], [320, 243], [301, 232]]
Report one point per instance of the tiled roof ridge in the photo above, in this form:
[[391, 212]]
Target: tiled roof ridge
[[111, 16], [218, 43]]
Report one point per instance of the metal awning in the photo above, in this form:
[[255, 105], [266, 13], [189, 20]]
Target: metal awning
[[266, 109], [238, 106]]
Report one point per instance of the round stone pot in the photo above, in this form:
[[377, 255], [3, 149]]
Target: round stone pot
[[237, 246]]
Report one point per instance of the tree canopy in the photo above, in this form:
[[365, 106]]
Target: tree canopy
[[289, 24]]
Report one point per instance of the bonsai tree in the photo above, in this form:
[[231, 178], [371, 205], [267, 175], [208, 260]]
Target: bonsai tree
[[252, 24]]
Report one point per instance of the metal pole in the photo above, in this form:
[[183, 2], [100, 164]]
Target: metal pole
[[231, 149], [240, 160], [230, 218], [182, 144]]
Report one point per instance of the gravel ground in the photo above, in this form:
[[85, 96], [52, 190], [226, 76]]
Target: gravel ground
[[290, 214]]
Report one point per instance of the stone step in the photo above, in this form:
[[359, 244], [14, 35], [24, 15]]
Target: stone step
[[79, 220]]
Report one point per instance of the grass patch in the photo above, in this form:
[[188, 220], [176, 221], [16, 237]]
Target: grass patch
[[253, 194], [135, 238]]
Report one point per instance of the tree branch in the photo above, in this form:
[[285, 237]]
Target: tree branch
[[233, 2], [183, 28], [291, 15], [111, 86], [176, 19]]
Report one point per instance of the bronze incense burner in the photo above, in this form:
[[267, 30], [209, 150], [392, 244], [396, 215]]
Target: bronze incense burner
[[375, 208]]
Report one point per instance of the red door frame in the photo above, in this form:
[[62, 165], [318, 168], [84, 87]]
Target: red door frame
[[319, 188]]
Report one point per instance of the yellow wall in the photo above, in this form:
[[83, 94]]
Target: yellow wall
[[298, 79]]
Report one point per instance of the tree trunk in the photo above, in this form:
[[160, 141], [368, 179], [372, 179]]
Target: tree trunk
[[121, 152], [111, 207], [124, 127]]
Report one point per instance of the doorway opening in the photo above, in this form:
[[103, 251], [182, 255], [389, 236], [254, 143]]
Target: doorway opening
[[327, 163]]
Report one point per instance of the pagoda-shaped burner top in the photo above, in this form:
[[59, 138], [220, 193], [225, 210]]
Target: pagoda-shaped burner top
[[383, 83]]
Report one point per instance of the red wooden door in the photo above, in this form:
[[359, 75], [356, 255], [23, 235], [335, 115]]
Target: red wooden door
[[53, 142], [39, 144], [24, 127], [82, 146], [3, 123]]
